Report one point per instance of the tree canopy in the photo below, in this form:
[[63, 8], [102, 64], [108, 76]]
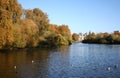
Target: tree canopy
[[75, 36], [20, 28], [103, 38]]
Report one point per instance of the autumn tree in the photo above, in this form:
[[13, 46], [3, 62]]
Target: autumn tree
[[75, 37], [19, 37], [10, 13], [39, 17], [28, 28], [65, 32], [28, 14], [103, 38]]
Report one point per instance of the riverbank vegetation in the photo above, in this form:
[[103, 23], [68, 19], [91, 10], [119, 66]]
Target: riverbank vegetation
[[103, 38], [75, 37], [21, 28]]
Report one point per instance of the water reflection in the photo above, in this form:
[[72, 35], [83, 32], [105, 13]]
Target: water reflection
[[59, 62], [78, 60]]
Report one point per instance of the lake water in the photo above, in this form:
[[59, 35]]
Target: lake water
[[75, 61]]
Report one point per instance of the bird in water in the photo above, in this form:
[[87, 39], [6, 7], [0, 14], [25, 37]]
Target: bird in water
[[32, 61], [14, 67], [108, 68]]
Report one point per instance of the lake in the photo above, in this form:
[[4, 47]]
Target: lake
[[75, 61]]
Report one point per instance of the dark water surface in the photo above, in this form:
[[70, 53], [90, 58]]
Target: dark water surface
[[75, 61]]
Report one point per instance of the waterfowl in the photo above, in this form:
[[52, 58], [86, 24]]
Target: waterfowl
[[32, 61], [14, 67], [108, 68]]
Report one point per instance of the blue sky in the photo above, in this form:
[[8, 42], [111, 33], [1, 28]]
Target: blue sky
[[81, 15]]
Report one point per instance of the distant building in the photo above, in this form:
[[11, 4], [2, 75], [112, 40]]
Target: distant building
[[116, 31], [81, 37]]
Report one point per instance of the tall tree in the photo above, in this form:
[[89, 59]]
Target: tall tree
[[10, 13], [39, 17], [65, 32], [75, 37]]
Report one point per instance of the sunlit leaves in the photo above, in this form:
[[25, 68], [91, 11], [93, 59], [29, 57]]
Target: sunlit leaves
[[39, 17], [75, 36], [103, 38], [6, 38], [19, 38], [29, 28], [65, 32]]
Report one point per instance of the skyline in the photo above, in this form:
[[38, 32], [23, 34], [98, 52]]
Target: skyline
[[81, 16]]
